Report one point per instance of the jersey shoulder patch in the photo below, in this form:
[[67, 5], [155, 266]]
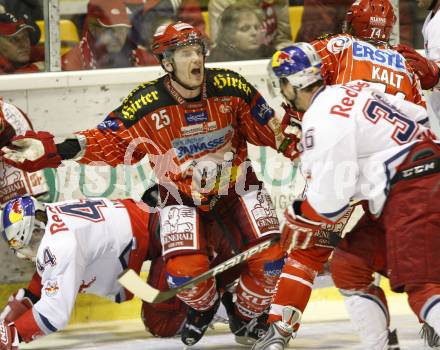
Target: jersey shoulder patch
[[225, 82], [143, 100]]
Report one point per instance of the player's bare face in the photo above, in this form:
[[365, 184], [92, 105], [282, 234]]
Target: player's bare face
[[248, 34], [298, 99], [189, 65]]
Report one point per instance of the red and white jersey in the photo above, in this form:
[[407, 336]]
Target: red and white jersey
[[188, 143], [346, 58], [354, 137], [86, 245], [15, 182]]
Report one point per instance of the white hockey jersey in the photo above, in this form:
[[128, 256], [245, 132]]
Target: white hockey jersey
[[86, 245], [431, 36], [354, 137]]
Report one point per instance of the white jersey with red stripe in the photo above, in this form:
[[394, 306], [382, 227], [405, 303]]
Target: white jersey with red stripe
[[431, 36], [354, 137], [86, 245]]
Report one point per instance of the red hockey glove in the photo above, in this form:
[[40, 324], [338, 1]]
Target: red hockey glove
[[298, 232], [291, 123], [291, 129], [17, 305], [426, 70], [8, 336], [33, 151]]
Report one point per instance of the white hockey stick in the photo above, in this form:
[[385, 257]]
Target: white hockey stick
[[133, 283]]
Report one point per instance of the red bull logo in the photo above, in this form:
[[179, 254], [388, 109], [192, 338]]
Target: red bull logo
[[16, 212], [281, 57]]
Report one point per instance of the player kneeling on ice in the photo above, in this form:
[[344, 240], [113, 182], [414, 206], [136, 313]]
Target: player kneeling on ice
[[359, 144], [79, 246]]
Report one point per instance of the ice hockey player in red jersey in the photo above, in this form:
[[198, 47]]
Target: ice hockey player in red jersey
[[376, 141], [194, 124]]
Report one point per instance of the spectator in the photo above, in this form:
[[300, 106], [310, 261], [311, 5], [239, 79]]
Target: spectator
[[16, 53], [29, 10], [276, 22], [147, 15], [242, 35], [105, 42]]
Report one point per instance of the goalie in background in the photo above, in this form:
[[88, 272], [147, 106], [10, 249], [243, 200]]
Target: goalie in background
[[79, 246]]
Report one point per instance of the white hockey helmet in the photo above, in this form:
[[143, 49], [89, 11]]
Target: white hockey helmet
[[300, 64], [19, 225]]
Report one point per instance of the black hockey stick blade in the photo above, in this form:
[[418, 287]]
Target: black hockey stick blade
[[133, 283]]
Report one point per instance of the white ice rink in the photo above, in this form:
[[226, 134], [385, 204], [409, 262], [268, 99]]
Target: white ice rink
[[325, 327]]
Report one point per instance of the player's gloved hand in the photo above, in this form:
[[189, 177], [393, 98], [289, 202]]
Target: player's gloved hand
[[291, 123], [18, 304], [427, 70], [291, 129], [33, 151], [298, 232], [8, 336]]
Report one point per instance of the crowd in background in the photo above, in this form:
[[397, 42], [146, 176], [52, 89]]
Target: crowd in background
[[117, 33]]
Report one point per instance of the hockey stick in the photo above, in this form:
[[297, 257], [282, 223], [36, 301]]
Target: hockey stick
[[133, 283]]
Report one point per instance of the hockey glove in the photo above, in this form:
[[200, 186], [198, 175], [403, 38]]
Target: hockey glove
[[18, 304], [298, 232], [291, 123], [426, 70], [33, 151], [291, 129], [8, 336]]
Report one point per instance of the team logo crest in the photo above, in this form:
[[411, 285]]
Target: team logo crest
[[51, 288], [338, 44]]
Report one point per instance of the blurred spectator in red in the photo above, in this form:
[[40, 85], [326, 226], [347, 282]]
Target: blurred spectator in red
[[29, 10], [105, 42], [16, 53], [327, 16], [276, 24], [146, 16], [321, 17], [242, 35]]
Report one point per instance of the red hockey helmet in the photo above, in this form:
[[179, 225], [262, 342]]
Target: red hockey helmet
[[370, 19], [169, 37]]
